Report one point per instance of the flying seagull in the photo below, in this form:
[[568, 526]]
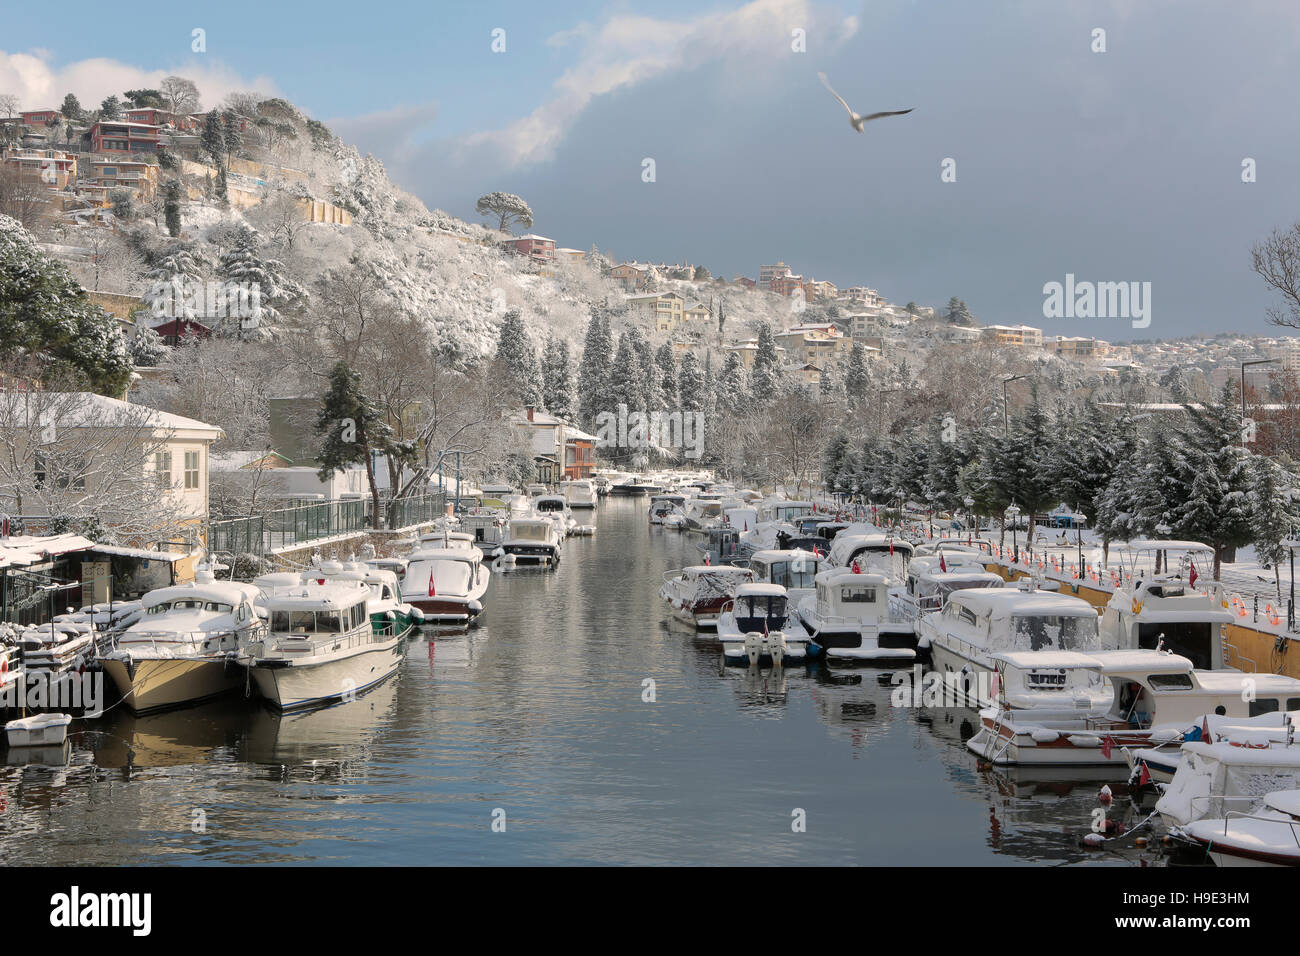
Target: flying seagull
[[855, 120]]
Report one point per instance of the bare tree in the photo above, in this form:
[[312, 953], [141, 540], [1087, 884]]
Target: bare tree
[[181, 95], [21, 198], [1277, 260], [8, 104]]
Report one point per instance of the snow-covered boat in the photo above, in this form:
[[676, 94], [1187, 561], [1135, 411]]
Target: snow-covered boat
[[179, 652], [555, 508], [386, 602], [932, 578], [977, 623], [702, 514], [39, 730], [580, 493], [532, 541], [882, 552], [320, 646], [696, 595], [1168, 609], [1157, 700], [665, 506], [794, 569], [488, 530], [848, 617], [1269, 836], [447, 585], [755, 627]]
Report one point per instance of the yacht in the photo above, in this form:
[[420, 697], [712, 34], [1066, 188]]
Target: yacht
[[701, 514], [580, 493], [386, 602], [696, 595], [1166, 609], [556, 508], [883, 552], [755, 627], [931, 579], [488, 532], [1157, 700], [849, 618], [794, 569], [321, 646], [977, 623], [1269, 836], [447, 584], [532, 541], [179, 652]]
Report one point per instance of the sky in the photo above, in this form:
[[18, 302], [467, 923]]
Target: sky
[[1117, 166]]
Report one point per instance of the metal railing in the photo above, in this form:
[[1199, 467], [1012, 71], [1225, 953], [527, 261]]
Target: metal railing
[[316, 521]]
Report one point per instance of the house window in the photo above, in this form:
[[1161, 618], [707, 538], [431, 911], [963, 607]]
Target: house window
[[191, 470], [162, 466]]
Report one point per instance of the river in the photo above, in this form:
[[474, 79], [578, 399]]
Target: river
[[528, 740]]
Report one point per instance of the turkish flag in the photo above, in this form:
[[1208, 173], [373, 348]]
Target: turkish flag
[[943, 565], [433, 592], [1106, 746], [1145, 777], [1192, 575]]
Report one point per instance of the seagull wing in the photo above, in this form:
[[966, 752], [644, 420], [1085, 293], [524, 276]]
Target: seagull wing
[[891, 113], [826, 83]]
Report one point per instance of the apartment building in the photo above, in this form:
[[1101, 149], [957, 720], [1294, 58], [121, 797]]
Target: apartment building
[[112, 136], [767, 273], [538, 248], [665, 309]]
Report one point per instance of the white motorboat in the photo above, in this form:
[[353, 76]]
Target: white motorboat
[[697, 595], [488, 531], [532, 541], [1267, 836], [555, 508], [932, 578], [666, 506], [580, 493], [386, 602], [1157, 700], [447, 585], [180, 652], [794, 569], [1165, 609], [873, 551], [321, 646], [848, 617], [977, 623], [755, 627]]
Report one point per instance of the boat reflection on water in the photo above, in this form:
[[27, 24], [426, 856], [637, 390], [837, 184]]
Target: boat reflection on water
[[239, 731], [762, 691], [448, 649], [851, 705]]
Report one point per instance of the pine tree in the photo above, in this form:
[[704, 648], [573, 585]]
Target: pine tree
[[766, 376], [625, 377], [666, 367], [213, 138], [690, 385], [351, 427], [1275, 506], [594, 370], [557, 378], [232, 140], [516, 358], [857, 380], [245, 269], [733, 384], [172, 207]]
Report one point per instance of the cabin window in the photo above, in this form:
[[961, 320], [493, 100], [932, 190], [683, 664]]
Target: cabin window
[[1045, 680], [1263, 705], [858, 595], [358, 615], [1057, 632], [302, 621], [159, 608], [1170, 681], [1293, 703], [218, 608], [327, 622]]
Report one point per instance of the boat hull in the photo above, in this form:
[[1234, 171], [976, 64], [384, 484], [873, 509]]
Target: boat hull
[[288, 685], [156, 684]]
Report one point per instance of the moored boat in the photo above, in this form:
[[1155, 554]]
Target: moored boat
[[447, 585]]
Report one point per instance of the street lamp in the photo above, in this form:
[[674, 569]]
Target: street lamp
[[1006, 419], [1243, 391], [1162, 558], [969, 502], [1014, 513]]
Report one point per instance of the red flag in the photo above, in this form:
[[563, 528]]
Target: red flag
[[1191, 576], [856, 569], [1145, 778], [943, 565], [1107, 744], [433, 592], [891, 547], [706, 560]]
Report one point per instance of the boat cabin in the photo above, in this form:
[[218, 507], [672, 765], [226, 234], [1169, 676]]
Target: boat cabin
[[759, 607], [881, 551]]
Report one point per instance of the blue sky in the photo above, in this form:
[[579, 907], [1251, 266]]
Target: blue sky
[[1123, 165]]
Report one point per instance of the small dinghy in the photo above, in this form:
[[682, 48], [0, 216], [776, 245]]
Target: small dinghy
[[39, 730]]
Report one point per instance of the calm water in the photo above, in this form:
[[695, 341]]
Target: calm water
[[539, 713]]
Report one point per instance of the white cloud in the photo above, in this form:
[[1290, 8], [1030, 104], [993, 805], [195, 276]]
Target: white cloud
[[38, 84]]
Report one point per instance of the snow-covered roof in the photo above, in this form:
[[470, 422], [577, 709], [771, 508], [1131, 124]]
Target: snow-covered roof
[[24, 550], [87, 409], [1003, 602]]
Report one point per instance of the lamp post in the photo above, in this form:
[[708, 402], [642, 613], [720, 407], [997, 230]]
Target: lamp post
[[969, 502], [1006, 418], [1014, 512], [1162, 557], [1243, 391]]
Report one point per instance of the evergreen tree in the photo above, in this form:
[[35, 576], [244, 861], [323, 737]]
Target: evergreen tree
[[517, 359], [666, 367], [232, 140], [594, 370], [71, 108], [651, 384], [110, 108], [625, 386], [1275, 504], [557, 378], [765, 376], [172, 207], [733, 384], [213, 138], [857, 380], [691, 388], [45, 315], [244, 266], [351, 427]]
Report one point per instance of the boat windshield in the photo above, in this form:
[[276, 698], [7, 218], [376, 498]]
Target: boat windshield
[[550, 505], [310, 622], [1056, 632], [799, 573], [531, 532]]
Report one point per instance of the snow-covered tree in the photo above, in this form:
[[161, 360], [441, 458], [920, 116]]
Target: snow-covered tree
[[594, 370], [264, 280], [508, 209], [666, 367], [690, 384], [557, 378], [857, 380], [765, 376], [516, 358]]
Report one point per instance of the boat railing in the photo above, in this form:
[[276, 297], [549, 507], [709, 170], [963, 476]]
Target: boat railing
[[1243, 815], [172, 638], [1213, 805], [1242, 659], [356, 637]]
